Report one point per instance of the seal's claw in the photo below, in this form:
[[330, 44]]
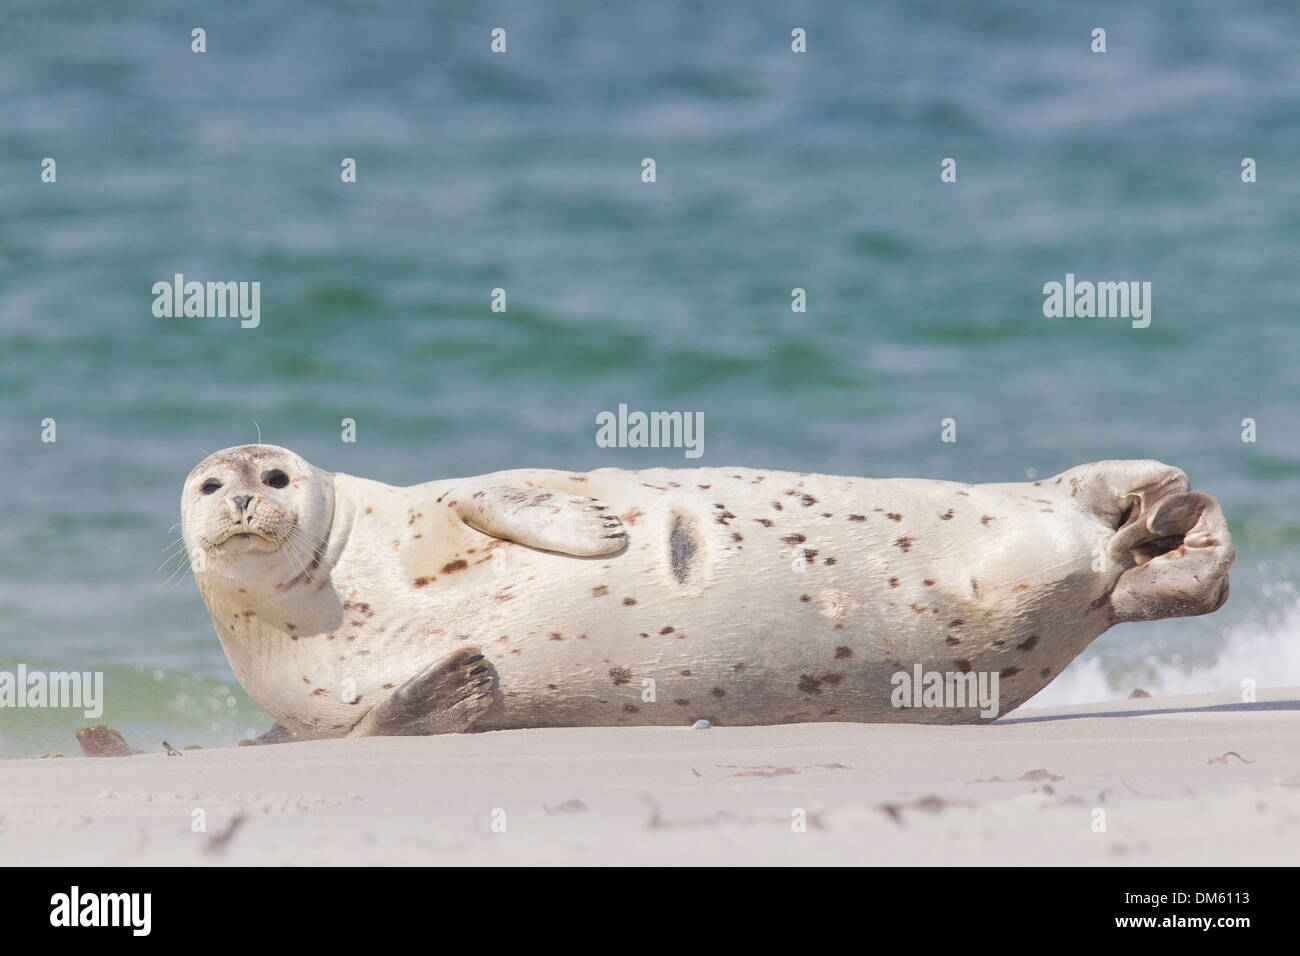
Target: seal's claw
[[441, 699]]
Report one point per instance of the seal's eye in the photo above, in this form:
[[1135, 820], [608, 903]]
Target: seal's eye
[[275, 478], [209, 486]]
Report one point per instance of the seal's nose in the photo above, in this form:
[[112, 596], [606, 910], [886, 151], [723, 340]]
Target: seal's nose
[[241, 502]]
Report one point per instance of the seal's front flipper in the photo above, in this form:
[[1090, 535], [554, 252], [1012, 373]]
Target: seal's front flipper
[[444, 698], [276, 735], [545, 519]]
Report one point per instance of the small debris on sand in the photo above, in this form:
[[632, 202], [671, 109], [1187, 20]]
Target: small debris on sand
[[103, 741]]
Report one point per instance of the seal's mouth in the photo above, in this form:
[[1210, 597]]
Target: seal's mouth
[[244, 538]]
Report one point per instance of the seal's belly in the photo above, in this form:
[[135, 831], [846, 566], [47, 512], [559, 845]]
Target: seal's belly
[[789, 598]]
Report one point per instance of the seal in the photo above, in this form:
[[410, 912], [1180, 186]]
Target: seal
[[535, 598]]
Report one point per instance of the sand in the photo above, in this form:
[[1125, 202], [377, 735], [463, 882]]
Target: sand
[[1134, 782]]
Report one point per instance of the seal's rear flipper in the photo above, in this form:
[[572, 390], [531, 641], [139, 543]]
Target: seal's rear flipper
[[542, 518], [1178, 545], [444, 698]]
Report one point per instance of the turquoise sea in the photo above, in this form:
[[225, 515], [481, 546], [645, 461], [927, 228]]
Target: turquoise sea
[[522, 171]]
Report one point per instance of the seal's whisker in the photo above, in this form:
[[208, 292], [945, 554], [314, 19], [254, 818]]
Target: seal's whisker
[[183, 568]]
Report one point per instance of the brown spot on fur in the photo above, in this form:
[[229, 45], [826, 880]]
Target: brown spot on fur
[[667, 630], [956, 622], [632, 517], [857, 517], [951, 641], [458, 565], [778, 506], [620, 675], [808, 501], [421, 582], [1074, 487], [805, 598], [737, 667], [963, 666], [704, 487], [1020, 587], [765, 522], [369, 509], [793, 539], [599, 590], [1009, 672], [1029, 643], [829, 561], [629, 601], [556, 636], [319, 691], [928, 583], [998, 643], [841, 653], [904, 543], [686, 673], [719, 692], [894, 582], [809, 555], [917, 608], [682, 702], [892, 516], [737, 536], [1044, 672], [630, 708], [809, 684], [577, 478], [986, 519]]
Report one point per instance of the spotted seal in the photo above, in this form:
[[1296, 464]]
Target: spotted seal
[[535, 598]]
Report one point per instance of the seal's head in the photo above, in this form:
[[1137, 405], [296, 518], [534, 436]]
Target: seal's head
[[257, 514]]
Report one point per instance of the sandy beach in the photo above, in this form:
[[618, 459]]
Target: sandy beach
[[1200, 779]]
